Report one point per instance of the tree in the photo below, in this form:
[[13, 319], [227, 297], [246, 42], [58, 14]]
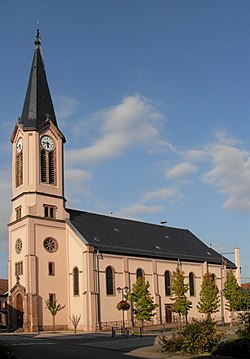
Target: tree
[[144, 305], [75, 319], [243, 300], [179, 289], [231, 293], [54, 308], [209, 296]]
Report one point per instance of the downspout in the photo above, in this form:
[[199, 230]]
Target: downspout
[[98, 291]]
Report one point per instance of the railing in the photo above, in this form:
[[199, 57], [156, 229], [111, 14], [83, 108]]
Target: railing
[[155, 322]]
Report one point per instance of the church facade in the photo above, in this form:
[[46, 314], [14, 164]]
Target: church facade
[[79, 258]]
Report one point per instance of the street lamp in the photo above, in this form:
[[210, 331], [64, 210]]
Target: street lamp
[[123, 291]]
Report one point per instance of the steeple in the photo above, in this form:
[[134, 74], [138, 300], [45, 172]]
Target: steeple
[[38, 106]]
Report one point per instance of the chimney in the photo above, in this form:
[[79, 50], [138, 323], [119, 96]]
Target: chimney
[[237, 263]]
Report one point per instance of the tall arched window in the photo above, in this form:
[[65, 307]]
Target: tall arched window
[[139, 273], [167, 277], [213, 277], [110, 280], [191, 284], [52, 167], [19, 310], [48, 167], [76, 281], [19, 169]]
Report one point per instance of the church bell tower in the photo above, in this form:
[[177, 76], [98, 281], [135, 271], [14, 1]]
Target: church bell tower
[[37, 244]]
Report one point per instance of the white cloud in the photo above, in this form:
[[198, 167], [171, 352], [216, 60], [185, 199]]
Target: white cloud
[[76, 174], [195, 155], [136, 209], [76, 182], [223, 164], [230, 174], [133, 122], [180, 170], [161, 194], [66, 107]]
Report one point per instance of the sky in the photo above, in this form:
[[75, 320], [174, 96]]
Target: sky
[[153, 97]]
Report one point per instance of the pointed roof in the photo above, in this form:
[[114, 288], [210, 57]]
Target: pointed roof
[[38, 106]]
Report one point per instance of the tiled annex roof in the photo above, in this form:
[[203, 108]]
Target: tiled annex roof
[[128, 237], [3, 286]]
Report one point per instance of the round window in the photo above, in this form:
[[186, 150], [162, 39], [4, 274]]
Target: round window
[[50, 244], [19, 245]]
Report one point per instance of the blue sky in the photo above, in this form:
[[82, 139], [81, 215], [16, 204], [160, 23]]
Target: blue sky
[[153, 97]]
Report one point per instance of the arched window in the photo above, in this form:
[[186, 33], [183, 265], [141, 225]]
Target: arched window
[[191, 284], [213, 277], [19, 169], [167, 283], [110, 280], [51, 168], [19, 310], [48, 167], [139, 273], [76, 281]]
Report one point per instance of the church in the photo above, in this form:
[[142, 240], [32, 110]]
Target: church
[[84, 261]]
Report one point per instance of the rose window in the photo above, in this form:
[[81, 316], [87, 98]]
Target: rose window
[[19, 245], [50, 244]]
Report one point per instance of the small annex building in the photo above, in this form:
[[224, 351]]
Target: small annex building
[[80, 258], [3, 302]]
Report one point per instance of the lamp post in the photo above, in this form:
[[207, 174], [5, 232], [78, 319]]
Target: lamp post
[[123, 291]]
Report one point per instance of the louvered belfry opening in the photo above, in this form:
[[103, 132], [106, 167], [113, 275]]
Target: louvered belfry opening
[[48, 167], [51, 168], [19, 169]]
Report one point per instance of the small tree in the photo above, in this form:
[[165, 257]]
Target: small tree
[[179, 289], [144, 305], [231, 294], [209, 296], [75, 319], [243, 300], [54, 308]]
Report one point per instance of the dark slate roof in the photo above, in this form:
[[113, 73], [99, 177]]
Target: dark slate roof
[[128, 237], [38, 104]]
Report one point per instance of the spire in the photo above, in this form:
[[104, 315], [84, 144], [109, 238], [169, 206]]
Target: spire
[[38, 106]]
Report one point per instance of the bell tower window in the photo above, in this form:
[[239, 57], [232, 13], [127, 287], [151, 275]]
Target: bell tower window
[[19, 162], [51, 168], [19, 169], [47, 159], [49, 211], [18, 212]]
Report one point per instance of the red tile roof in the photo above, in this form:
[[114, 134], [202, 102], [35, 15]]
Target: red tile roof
[[3, 286], [245, 285]]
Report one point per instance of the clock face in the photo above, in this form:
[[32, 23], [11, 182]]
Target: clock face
[[47, 143], [19, 145]]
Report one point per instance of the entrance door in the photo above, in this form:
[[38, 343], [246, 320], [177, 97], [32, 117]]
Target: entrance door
[[168, 313], [19, 311]]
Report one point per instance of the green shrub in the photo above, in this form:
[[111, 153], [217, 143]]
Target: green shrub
[[200, 336], [170, 345], [197, 337]]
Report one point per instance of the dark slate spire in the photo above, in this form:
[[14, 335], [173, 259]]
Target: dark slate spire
[[38, 106]]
